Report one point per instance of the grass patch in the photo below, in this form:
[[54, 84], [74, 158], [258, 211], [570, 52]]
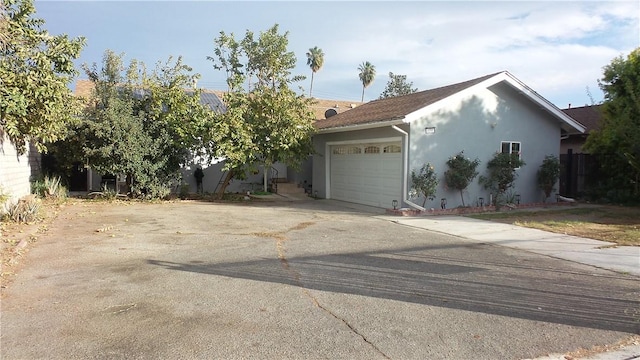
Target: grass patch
[[616, 224]]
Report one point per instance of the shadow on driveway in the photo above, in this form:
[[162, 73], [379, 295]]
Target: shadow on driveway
[[490, 286]]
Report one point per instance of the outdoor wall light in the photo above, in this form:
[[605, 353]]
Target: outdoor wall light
[[443, 203], [518, 199], [430, 130], [481, 201], [395, 204]]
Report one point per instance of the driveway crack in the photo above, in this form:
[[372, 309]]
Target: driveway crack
[[345, 322], [281, 240]]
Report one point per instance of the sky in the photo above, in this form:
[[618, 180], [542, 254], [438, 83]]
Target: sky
[[558, 48]]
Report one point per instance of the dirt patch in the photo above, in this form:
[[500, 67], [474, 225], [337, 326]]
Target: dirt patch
[[616, 224], [16, 238]]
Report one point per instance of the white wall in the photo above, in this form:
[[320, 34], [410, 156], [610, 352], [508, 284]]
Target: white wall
[[476, 125], [16, 170]]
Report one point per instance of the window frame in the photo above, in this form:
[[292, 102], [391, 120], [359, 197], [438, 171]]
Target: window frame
[[511, 143]]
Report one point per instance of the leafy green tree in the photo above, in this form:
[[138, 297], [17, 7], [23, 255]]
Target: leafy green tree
[[35, 68], [617, 138], [425, 182], [460, 173], [501, 174], [367, 75], [269, 123], [141, 124], [315, 60], [397, 86], [548, 174]]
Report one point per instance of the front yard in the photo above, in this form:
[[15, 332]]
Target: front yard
[[620, 225]]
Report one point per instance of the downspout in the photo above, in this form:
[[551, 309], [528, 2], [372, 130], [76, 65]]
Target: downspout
[[405, 168]]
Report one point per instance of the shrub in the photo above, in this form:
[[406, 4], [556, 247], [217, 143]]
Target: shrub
[[501, 174], [424, 183], [548, 174], [461, 172], [26, 209], [49, 187], [184, 191]]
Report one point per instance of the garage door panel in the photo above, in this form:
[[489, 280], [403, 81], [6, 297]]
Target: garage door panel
[[370, 178]]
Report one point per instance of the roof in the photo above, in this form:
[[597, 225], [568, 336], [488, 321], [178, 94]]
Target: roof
[[406, 108], [214, 98], [395, 108], [207, 97], [589, 116]]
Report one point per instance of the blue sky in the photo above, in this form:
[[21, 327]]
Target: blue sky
[[556, 47]]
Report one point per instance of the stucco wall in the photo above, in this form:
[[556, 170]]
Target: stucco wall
[[16, 170], [477, 124]]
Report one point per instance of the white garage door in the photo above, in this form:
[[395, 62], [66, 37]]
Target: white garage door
[[369, 174]]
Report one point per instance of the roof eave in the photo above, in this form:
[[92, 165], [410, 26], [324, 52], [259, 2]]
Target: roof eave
[[567, 122], [373, 125]]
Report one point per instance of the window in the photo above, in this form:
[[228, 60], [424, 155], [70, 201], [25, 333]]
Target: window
[[391, 149], [339, 150], [511, 147], [354, 150], [372, 150]]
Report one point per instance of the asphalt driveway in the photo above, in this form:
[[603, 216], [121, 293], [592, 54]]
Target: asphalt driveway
[[308, 279]]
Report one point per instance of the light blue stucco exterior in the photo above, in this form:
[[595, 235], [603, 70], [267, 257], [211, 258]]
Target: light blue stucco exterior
[[473, 122]]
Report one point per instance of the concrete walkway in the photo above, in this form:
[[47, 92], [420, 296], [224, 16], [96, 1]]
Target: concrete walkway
[[623, 259], [606, 255]]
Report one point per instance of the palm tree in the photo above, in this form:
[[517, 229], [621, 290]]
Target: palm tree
[[367, 74], [315, 60]]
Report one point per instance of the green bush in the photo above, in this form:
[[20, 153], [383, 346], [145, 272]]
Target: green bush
[[548, 174], [461, 172], [49, 187], [501, 174], [424, 183]]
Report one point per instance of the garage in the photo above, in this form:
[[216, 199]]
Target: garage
[[367, 173]]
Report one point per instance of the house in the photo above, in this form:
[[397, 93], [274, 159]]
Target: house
[[16, 171], [578, 167], [589, 116], [366, 155]]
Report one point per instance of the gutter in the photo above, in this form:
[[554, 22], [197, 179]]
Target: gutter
[[373, 125], [405, 167]]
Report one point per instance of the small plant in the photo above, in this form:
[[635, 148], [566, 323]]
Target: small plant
[[49, 187], [501, 175], [4, 196], [184, 191], [26, 209], [108, 193], [461, 172], [548, 175], [424, 183]]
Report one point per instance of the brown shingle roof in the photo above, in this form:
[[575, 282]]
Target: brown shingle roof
[[589, 115], [395, 108]]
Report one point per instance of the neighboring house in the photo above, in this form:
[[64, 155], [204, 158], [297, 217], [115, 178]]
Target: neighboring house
[[589, 116], [213, 173], [16, 171], [578, 167], [366, 155]]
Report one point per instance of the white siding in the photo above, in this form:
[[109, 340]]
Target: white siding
[[16, 170]]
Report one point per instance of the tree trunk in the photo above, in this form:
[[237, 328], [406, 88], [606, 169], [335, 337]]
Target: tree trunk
[[264, 176], [311, 87], [462, 197], [225, 183]]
